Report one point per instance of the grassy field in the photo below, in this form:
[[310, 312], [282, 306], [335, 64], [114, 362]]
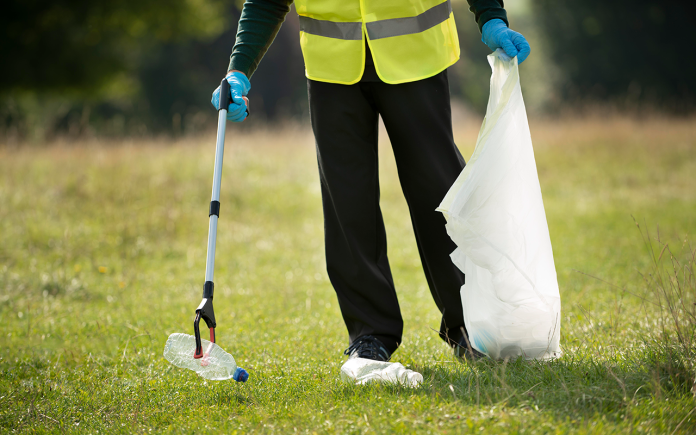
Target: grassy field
[[102, 253]]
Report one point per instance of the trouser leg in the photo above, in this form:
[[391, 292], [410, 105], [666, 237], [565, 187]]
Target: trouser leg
[[418, 119], [344, 121]]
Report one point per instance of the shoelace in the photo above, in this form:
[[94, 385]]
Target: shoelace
[[368, 347]]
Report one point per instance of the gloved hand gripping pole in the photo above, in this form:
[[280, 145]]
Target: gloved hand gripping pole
[[205, 309]]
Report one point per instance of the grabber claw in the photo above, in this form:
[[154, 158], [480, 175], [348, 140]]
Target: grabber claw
[[206, 312]]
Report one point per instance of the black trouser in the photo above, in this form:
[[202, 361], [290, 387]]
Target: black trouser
[[418, 120]]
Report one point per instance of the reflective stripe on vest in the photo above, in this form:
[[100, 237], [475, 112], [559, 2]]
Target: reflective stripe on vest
[[378, 29], [331, 29], [410, 40], [406, 26]]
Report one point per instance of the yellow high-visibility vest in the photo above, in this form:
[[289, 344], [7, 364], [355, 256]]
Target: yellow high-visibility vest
[[410, 39]]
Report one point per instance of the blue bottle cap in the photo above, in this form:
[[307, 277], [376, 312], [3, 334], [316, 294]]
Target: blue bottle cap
[[240, 375]]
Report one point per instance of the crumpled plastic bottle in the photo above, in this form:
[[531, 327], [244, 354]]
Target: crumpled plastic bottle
[[216, 364], [362, 371]]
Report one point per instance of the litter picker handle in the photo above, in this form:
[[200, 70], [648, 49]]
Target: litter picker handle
[[205, 309], [214, 210], [223, 103]]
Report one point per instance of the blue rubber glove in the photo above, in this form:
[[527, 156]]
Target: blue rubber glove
[[239, 88], [495, 34]]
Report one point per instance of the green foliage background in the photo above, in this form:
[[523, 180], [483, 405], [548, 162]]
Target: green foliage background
[[627, 51], [138, 67]]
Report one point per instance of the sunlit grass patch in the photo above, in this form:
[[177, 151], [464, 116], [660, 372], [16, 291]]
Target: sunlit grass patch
[[102, 253]]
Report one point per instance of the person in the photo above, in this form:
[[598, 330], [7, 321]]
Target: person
[[365, 59]]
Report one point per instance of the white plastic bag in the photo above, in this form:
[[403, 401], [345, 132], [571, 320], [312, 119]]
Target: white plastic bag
[[496, 217], [362, 371]]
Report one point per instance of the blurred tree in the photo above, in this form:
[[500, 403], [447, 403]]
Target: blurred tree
[[75, 65], [626, 52], [470, 76], [279, 86], [81, 46], [131, 66]]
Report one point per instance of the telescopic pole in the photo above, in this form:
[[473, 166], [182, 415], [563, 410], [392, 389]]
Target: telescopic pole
[[205, 309]]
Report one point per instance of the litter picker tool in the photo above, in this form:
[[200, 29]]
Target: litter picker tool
[[192, 352]]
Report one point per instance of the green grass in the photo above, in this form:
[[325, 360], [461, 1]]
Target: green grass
[[102, 254]]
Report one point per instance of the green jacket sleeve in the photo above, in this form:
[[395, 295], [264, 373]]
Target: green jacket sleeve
[[258, 27], [486, 10]]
